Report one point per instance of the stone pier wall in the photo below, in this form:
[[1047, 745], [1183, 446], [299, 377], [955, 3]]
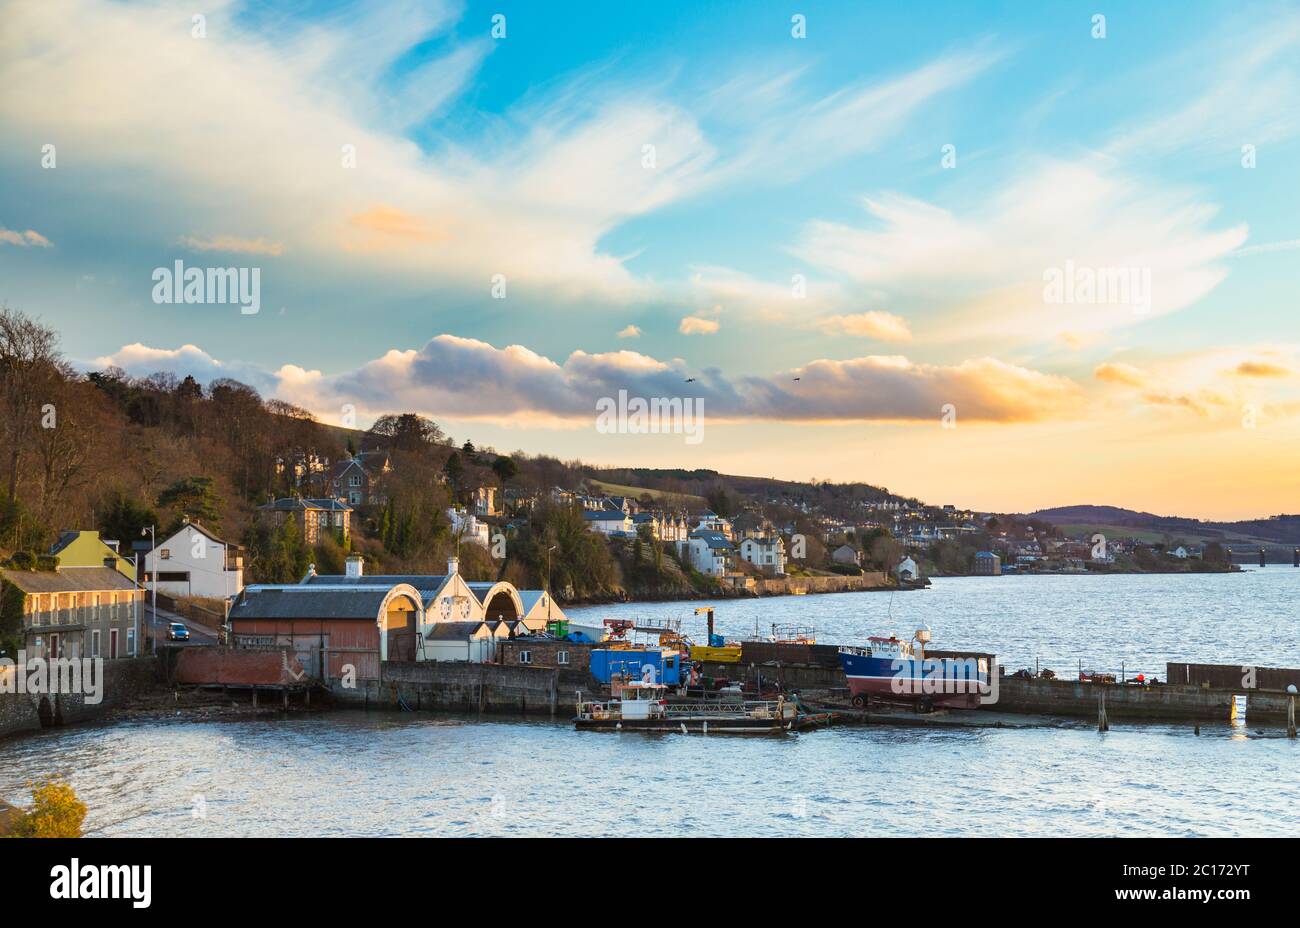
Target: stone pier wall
[[423, 685], [124, 680]]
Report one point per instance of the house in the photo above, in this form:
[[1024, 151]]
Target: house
[[987, 564], [710, 553], [540, 651], [905, 570], [608, 521], [195, 562], [466, 526], [359, 480], [1180, 552], [87, 549], [76, 612], [485, 502], [767, 553], [847, 554], [315, 517], [708, 521]]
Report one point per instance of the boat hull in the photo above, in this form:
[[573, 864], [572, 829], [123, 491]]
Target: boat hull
[[941, 683]]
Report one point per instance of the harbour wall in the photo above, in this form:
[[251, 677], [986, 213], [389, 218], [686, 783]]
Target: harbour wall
[[1153, 703], [454, 685], [124, 680]]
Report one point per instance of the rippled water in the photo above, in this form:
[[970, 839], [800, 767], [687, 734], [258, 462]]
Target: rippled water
[[1137, 620], [347, 772]]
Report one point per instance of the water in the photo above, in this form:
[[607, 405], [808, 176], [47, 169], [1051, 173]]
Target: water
[[356, 773], [1129, 621]]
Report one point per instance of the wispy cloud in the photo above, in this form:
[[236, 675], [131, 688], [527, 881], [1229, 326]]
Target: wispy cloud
[[27, 239], [233, 244]]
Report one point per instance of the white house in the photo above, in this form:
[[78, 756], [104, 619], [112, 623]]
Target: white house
[[710, 553], [766, 552], [609, 521], [905, 569], [195, 562], [467, 526], [1179, 552]]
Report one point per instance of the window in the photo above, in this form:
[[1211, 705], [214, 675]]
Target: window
[[525, 657], [94, 643], [561, 657], [165, 553], [354, 480], [130, 641]]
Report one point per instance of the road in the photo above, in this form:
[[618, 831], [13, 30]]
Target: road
[[156, 625]]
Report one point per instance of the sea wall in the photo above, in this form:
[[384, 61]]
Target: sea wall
[[124, 680], [421, 685], [1154, 703]]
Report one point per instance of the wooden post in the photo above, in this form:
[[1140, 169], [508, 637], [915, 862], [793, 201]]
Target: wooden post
[[285, 694], [254, 697], [1290, 715], [1102, 723]]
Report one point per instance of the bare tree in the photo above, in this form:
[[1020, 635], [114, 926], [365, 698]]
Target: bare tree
[[30, 369]]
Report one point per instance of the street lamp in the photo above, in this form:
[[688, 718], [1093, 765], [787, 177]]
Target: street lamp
[[153, 549], [547, 585]]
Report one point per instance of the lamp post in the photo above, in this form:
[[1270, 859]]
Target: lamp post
[[153, 548], [547, 585]]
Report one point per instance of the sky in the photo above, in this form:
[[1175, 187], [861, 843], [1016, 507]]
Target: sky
[[1000, 255]]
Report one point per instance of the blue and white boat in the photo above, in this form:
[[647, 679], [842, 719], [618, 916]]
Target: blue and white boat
[[892, 669]]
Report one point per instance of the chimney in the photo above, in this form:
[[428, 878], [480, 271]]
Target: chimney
[[355, 565], [453, 565], [311, 572]]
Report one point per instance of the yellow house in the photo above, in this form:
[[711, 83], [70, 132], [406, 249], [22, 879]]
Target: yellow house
[[87, 549]]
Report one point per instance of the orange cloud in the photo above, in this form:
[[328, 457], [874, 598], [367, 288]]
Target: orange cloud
[[875, 324], [392, 222], [1261, 369]]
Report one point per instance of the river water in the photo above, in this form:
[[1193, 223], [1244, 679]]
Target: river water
[[350, 772]]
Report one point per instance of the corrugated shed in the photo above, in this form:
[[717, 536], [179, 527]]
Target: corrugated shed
[[309, 604]]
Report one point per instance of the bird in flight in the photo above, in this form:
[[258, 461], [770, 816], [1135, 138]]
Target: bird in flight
[[690, 380]]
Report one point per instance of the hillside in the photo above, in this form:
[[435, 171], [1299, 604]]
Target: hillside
[[1146, 526]]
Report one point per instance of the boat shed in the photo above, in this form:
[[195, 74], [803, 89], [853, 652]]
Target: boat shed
[[329, 626]]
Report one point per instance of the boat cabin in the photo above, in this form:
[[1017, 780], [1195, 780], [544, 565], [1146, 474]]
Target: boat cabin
[[638, 700], [890, 648]]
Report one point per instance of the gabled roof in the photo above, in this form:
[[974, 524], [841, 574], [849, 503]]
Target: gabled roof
[[198, 527], [428, 585], [715, 540], [280, 603], [68, 580], [453, 631]]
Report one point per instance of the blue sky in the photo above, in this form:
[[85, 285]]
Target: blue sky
[[774, 158]]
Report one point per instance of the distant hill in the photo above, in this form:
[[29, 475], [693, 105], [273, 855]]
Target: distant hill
[[1146, 526]]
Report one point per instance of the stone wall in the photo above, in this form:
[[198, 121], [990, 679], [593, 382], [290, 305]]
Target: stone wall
[[124, 680], [422, 685], [1155, 703]]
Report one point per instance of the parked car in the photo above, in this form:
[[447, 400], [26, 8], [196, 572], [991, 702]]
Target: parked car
[[177, 631]]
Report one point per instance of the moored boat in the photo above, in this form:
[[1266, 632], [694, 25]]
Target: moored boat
[[894, 670], [641, 706]]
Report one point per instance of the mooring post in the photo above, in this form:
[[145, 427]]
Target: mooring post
[[254, 697], [1290, 715], [1102, 723]]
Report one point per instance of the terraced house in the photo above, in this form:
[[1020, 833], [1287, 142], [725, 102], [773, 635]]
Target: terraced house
[[74, 612]]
